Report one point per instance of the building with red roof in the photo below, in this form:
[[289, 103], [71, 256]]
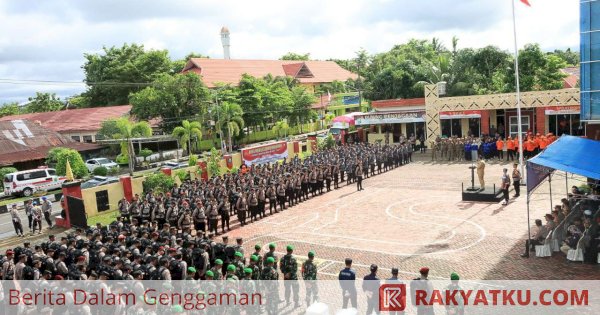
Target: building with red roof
[[81, 125], [229, 71]]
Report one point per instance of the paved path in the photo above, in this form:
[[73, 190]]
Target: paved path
[[6, 227], [412, 217]]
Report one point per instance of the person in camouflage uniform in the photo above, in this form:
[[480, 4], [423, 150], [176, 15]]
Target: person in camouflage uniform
[[248, 287], [289, 268], [309, 274], [217, 270], [253, 265], [231, 273], [271, 253], [258, 255], [270, 276], [239, 265]]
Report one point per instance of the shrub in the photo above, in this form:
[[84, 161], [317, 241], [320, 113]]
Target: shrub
[[326, 143], [77, 165], [213, 163], [113, 171], [158, 182], [182, 174], [6, 170], [193, 160], [122, 159], [145, 153], [234, 170], [100, 171]]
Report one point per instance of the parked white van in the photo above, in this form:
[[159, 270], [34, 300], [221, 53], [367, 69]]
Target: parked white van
[[27, 182]]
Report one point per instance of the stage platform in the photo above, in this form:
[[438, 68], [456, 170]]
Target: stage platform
[[490, 194]]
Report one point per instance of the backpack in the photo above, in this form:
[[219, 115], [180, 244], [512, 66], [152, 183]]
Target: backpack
[[175, 269], [28, 273], [219, 251], [157, 274], [197, 258], [230, 252], [48, 265], [74, 274]]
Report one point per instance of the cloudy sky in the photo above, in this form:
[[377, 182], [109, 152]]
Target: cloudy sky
[[46, 39]]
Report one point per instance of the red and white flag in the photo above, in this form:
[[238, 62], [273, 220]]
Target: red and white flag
[[526, 2]]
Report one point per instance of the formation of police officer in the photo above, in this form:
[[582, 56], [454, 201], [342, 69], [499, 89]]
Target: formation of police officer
[[198, 205]]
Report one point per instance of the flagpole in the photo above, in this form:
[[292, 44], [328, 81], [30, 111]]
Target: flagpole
[[518, 91]]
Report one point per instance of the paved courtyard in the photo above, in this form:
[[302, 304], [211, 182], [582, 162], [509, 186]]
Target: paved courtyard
[[412, 217]]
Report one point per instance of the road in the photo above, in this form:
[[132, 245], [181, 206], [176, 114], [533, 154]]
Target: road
[[6, 226]]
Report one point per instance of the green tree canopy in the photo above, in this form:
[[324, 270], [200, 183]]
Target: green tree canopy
[[44, 102], [60, 156], [118, 71], [229, 119], [295, 56], [9, 109], [186, 132], [172, 99]]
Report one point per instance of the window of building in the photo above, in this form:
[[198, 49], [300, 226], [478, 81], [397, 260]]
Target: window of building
[[87, 139], [565, 125], [76, 138], [514, 125], [451, 127], [474, 126]]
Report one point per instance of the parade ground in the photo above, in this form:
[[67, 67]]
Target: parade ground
[[413, 217]]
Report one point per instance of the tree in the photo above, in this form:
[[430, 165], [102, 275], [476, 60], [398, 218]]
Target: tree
[[172, 99], [328, 118], [158, 183], [119, 71], [280, 126], [186, 132], [9, 109], [44, 102], [537, 71], [295, 56], [302, 102], [229, 118], [125, 130], [570, 57], [60, 157]]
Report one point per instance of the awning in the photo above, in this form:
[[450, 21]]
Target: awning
[[460, 114], [390, 118], [568, 154], [562, 110]]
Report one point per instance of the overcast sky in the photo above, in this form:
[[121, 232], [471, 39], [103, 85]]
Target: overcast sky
[[46, 39]]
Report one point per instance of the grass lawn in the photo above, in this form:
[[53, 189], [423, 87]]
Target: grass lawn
[[13, 200], [104, 218]]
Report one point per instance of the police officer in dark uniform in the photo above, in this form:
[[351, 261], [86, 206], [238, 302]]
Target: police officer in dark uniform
[[347, 276]]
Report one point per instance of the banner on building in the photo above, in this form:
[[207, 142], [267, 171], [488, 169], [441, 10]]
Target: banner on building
[[265, 153], [458, 114], [390, 118], [562, 110]]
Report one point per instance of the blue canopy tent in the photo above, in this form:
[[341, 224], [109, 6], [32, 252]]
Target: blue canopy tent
[[568, 154]]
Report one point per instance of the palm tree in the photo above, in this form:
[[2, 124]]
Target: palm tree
[[229, 118], [185, 132], [329, 118], [127, 130], [281, 125]]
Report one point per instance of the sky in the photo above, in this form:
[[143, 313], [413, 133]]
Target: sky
[[46, 39]]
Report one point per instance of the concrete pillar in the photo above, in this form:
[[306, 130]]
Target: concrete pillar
[[485, 122], [540, 120], [72, 189]]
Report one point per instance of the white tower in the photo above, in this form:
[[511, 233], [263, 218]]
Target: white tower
[[225, 42]]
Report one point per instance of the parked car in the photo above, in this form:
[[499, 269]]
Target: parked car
[[27, 182], [99, 181], [91, 164]]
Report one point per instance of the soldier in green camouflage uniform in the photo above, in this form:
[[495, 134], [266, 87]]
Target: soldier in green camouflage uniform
[[253, 265], [248, 287], [217, 269], [309, 274], [271, 253], [231, 269], [270, 276], [257, 253], [289, 268], [210, 286], [239, 265]]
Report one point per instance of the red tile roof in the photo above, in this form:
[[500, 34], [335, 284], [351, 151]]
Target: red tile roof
[[73, 120], [24, 140], [398, 103], [573, 74], [231, 70], [322, 102]]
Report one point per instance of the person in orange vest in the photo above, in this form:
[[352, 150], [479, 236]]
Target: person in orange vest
[[529, 146], [543, 143], [510, 149], [499, 148], [538, 140]]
